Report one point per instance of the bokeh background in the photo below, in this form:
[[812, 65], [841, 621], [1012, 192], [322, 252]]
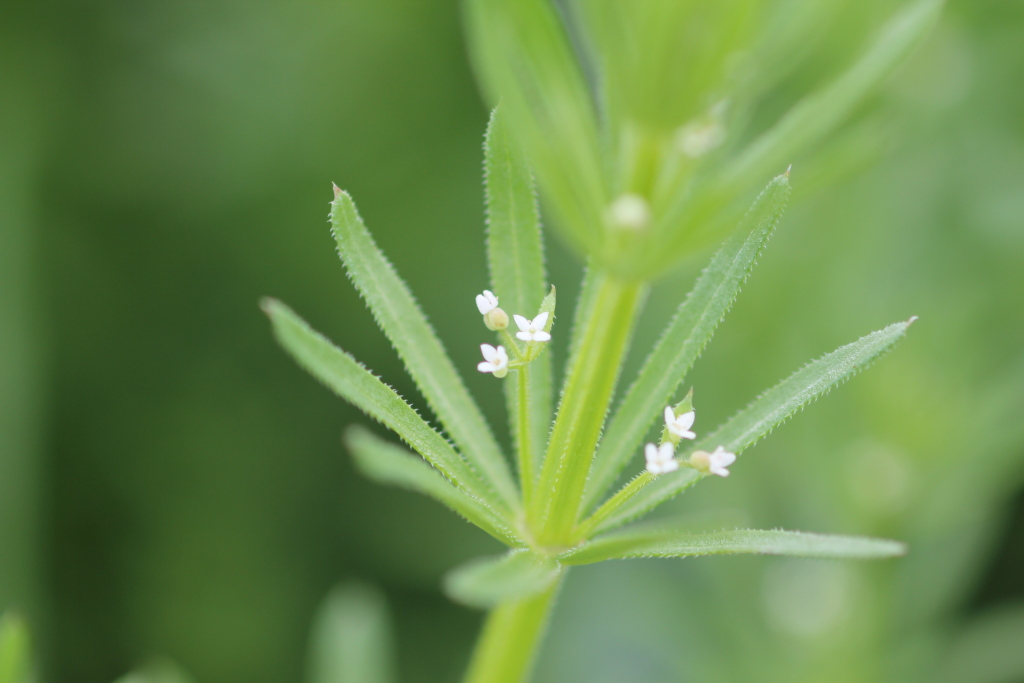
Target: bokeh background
[[172, 485]]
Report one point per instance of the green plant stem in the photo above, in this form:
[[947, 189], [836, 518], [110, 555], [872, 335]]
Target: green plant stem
[[590, 381], [510, 638], [510, 341], [586, 527], [524, 441]]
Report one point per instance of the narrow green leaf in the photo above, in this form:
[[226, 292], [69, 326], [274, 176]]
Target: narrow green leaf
[[685, 337], [352, 639], [401, 319], [817, 114], [488, 581], [515, 254], [771, 409], [627, 544], [524, 58], [341, 373], [15, 650], [388, 463], [989, 650]]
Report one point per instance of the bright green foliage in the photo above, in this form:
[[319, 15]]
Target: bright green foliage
[[351, 640], [544, 523], [488, 581], [350, 380], [771, 409], [633, 117], [686, 336], [388, 463], [671, 543], [15, 650], [405, 325]]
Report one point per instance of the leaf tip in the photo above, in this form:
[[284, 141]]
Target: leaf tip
[[269, 305], [352, 435]]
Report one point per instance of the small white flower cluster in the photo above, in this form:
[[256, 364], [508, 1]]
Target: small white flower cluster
[[661, 459], [496, 357]]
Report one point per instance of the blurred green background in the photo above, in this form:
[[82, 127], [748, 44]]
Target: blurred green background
[[171, 484]]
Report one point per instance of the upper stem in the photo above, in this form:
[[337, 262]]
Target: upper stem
[[524, 441], [586, 527], [590, 381]]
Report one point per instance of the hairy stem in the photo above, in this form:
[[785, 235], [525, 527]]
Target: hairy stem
[[590, 381], [586, 528], [510, 639], [524, 442]]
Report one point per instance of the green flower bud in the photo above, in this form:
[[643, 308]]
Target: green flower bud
[[496, 319]]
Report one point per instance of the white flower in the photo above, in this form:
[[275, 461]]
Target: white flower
[[630, 211], [486, 302], [715, 463], [660, 459], [532, 330], [495, 360], [679, 425]]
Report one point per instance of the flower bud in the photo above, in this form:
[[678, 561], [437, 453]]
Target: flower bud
[[716, 462], [701, 461], [496, 319], [630, 212]]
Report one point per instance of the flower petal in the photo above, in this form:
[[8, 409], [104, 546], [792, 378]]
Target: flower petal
[[521, 322], [541, 336], [670, 417], [540, 321], [651, 452]]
